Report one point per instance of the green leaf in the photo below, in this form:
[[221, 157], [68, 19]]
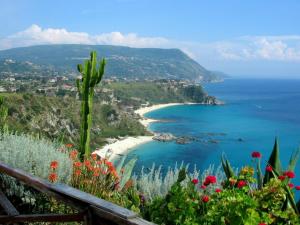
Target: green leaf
[[127, 172], [294, 159], [181, 175], [274, 162], [120, 164], [226, 167]]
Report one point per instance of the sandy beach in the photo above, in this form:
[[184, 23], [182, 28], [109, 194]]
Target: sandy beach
[[120, 147]]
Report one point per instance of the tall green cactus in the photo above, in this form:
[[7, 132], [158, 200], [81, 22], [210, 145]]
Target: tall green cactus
[[3, 115], [92, 73]]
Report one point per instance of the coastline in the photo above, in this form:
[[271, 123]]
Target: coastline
[[121, 147]]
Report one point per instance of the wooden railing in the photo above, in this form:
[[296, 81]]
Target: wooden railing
[[92, 210]]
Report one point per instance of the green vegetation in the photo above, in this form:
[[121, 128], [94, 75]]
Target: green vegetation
[[3, 115], [239, 199], [122, 62], [91, 76], [161, 91], [28, 153], [58, 118]]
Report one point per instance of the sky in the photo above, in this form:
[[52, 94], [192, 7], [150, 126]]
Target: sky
[[254, 38]]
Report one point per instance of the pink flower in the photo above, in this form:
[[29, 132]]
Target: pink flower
[[281, 177], [256, 155], [203, 187], [297, 188], [241, 183], [195, 181], [269, 168], [262, 224], [291, 185], [205, 198], [289, 174], [218, 190]]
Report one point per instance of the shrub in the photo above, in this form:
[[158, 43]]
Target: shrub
[[154, 184], [238, 200], [101, 178], [34, 155]]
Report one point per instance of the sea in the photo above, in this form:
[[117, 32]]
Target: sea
[[255, 112]]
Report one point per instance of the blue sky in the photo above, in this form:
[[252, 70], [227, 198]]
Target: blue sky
[[258, 38]]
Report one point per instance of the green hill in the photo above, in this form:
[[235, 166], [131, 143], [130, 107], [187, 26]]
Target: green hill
[[122, 62]]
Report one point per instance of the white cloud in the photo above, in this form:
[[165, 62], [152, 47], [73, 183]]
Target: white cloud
[[246, 48], [276, 48], [35, 35]]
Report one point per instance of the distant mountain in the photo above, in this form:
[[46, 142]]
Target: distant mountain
[[123, 62]]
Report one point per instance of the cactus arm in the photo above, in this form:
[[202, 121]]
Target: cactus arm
[[101, 70], [78, 86], [79, 68]]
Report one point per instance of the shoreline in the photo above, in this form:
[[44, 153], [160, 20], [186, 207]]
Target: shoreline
[[121, 147]]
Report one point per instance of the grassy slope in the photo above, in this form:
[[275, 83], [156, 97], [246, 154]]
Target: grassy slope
[[57, 117]]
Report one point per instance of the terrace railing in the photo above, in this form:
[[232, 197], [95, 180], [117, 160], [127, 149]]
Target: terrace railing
[[81, 207]]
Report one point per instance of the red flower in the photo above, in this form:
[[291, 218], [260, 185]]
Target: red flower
[[73, 154], [77, 172], [269, 168], [281, 177], [77, 164], [241, 183], [54, 165], [289, 174], [218, 190], [210, 180], [203, 187], [205, 198], [69, 145], [297, 188], [52, 177], [262, 224], [256, 155], [96, 174], [109, 164], [87, 163], [291, 185], [195, 181]]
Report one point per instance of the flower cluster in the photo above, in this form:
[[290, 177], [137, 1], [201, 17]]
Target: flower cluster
[[207, 181], [53, 175]]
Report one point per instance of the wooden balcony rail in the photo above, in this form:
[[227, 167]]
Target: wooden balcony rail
[[92, 210]]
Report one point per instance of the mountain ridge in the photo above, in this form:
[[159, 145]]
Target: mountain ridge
[[142, 63]]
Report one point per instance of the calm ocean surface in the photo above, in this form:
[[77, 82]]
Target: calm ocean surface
[[255, 112]]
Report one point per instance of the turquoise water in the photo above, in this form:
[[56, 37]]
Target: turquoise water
[[255, 111]]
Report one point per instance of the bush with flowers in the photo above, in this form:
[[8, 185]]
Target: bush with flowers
[[242, 199], [101, 178]]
